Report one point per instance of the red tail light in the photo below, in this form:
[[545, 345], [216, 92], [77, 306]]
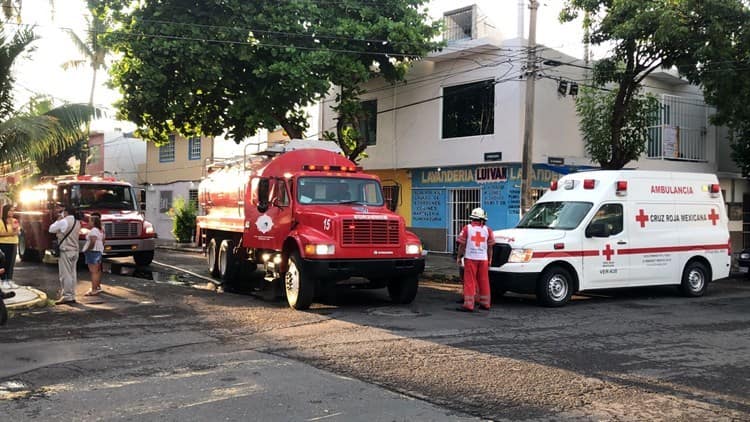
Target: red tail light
[[622, 187], [715, 188], [589, 183], [553, 185]]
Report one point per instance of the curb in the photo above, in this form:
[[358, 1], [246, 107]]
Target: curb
[[41, 297]]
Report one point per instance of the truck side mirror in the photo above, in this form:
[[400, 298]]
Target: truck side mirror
[[142, 199], [263, 190], [598, 229]]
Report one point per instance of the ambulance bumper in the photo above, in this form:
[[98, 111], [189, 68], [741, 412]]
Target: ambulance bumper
[[514, 282], [369, 268]]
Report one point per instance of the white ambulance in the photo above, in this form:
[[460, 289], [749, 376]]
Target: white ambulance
[[609, 229]]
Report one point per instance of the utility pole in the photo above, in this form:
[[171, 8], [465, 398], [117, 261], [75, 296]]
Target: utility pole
[[528, 132]]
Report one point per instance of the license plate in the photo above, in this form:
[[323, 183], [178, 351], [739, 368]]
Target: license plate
[[744, 269]]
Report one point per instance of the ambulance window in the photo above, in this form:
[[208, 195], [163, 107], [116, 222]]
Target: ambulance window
[[611, 215]]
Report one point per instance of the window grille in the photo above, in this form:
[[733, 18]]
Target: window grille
[[460, 204], [193, 198], [166, 151], [459, 25], [194, 148], [679, 130], [165, 201]]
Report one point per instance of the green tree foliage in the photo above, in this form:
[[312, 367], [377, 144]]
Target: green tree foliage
[[26, 135], [57, 164], [645, 35], [595, 107], [235, 65], [183, 219], [94, 55]]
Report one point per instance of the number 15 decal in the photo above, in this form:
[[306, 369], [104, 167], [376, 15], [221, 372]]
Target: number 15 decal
[[326, 224]]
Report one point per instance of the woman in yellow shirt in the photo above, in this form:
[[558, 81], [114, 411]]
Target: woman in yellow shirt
[[9, 240]]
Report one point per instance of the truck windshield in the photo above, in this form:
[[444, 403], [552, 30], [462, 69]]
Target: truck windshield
[[555, 215], [339, 190], [103, 196]]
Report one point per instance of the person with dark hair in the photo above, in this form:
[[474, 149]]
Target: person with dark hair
[[92, 251], [9, 244], [67, 229]]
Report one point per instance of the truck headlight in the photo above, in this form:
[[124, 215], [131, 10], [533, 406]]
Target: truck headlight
[[413, 249], [148, 228], [319, 249], [745, 255], [84, 231], [520, 255]]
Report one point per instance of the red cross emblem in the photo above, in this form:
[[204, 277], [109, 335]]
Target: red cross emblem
[[713, 216], [478, 239], [641, 218], [608, 252]]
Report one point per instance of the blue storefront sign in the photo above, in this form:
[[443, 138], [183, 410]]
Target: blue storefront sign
[[500, 192]]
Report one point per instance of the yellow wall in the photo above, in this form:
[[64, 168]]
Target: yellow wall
[[181, 169], [403, 178]]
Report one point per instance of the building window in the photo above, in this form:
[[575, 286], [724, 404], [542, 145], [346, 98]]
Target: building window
[[166, 151], [679, 130], [469, 109], [368, 124], [165, 201], [458, 24], [194, 148], [193, 198]]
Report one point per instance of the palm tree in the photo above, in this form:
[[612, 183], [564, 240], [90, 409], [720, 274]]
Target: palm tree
[[94, 54], [25, 136]]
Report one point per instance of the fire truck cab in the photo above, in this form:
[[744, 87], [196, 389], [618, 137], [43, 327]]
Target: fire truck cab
[[612, 229], [312, 219], [126, 231]]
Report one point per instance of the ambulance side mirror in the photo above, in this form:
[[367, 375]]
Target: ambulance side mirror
[[598, 229]]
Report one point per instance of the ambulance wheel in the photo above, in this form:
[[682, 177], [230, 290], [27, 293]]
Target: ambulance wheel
[[26, 254], [694, 279], [226, 261], [143, 258], [554, 287], [211, 253], [403, 290], [300, 290]]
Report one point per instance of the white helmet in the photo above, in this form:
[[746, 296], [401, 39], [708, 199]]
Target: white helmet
[[478, 214]]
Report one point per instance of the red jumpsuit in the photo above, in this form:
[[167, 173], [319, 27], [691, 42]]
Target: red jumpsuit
[[478, 238]]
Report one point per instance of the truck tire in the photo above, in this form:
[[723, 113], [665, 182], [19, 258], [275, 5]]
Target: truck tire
[[226, 262], [143, 258], [26, 254], [694, 279], [300, 290], [403, 290], [212, 252], [554, 287]]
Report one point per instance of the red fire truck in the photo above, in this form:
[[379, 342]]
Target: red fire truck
[[126, 231], [312, 219]]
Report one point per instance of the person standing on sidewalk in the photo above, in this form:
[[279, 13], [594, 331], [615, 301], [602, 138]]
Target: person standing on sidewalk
[[92, 251], [475, 246], [9, 244], [67, 229]]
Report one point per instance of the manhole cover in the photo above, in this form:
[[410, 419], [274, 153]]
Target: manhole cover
[[394, 312]]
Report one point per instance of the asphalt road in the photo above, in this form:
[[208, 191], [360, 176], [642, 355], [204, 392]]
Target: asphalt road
[[171, 348]]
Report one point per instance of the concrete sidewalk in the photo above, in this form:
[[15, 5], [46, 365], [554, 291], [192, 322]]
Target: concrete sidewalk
[[26, 297]]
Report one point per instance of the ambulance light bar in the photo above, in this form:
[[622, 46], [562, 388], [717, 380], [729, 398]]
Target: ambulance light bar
[[589, 183], [621, 187], [313, 167], [715, 188], [553, 185]]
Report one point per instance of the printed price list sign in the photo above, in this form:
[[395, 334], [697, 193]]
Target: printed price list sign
[[428, 208]]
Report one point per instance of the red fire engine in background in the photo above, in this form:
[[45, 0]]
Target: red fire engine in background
[[126, 231], [312, 219]]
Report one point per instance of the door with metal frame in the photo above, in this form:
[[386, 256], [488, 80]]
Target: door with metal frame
[[460, 204]]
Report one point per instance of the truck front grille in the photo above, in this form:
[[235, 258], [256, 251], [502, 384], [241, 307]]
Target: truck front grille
[[500, 254], [121, 229], [370, 232]]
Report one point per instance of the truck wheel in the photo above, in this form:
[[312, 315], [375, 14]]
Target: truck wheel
[[226, 261], [403, 290], [25, 253], [694, 279], [300, 290], [212, 251], [143, 258], [554, 287]]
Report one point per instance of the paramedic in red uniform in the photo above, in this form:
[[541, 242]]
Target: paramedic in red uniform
[[475, 246]]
